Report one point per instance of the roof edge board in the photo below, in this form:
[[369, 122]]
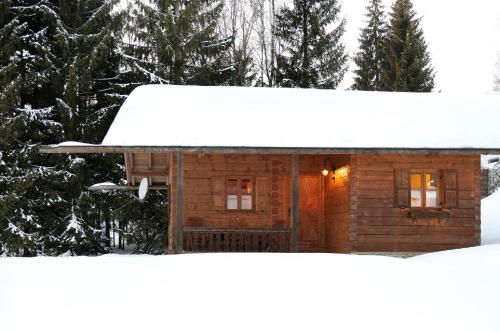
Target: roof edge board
[[102, 149]]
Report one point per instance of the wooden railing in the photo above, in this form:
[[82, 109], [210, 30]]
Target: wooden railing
[[236, 240]]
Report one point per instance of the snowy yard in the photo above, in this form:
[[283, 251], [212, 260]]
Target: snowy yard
[[452, 291]]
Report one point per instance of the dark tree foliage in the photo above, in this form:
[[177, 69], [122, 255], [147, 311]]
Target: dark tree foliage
[[56, 79], [407, 65], [149, 230], [176, 42], [369, 59], [313, 55], [31, 185]]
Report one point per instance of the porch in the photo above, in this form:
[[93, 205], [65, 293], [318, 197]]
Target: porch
[[292, 203]]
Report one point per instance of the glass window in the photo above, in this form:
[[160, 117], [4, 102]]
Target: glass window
[[232, 194], [246, 194], [424, 190], [239, 194], [416, 189], [430, 190]]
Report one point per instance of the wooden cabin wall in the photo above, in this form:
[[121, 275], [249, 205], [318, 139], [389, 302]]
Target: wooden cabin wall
[[335, 215], [199, 170], [377, 225], [151, 165], [337, 207]]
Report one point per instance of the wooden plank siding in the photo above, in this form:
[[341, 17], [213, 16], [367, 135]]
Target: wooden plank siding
[[376, 223], [337, 213], [200, 169], [359, 212], [151, 165]]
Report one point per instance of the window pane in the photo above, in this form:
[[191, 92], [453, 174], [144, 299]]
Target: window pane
[[246, 202], [430, 190], [430, 198], [232, 201], [416, 189], [232, 186], [246, 186], [416, 181], [232, 194], [246, 194], [430, 181], [416, 198]]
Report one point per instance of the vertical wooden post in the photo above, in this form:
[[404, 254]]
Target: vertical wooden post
[[179, 223], [294, 207], [171, 205]]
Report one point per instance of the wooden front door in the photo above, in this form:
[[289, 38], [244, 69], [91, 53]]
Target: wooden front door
[[311, 213]]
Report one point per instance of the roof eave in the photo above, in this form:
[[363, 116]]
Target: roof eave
[[104, 149]]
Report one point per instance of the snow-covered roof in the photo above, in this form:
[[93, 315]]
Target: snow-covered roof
[[243, 117]]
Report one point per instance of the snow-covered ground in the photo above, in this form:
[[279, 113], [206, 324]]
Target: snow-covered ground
[[451, 291]]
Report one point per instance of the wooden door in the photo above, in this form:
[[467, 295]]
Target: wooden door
[[311, 213]]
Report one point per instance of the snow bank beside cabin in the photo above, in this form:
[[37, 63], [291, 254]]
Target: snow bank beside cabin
[[490, 219], [453, 291]]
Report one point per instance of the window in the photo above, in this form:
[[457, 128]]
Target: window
[[423, 190], [239, 194]]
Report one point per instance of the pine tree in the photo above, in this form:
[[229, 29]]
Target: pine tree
[[407, 65], [176, 42], [370, 57], [90, 98], [310, 37], [58, 83], [31, 184]]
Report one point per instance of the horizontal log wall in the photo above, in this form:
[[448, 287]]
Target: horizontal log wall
[[200, 169], [376, 225], [337, 207]]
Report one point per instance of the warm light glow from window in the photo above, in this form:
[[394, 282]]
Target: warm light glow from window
[[325, 172], [416, 189], [424, 191], [246, 194]]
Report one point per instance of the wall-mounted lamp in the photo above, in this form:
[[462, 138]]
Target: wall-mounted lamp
[[325, 171]]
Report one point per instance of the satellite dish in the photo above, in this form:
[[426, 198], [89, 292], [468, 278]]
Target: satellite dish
[[143, 188]]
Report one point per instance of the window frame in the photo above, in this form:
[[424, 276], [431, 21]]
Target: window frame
[[439, 192], [239, 195]]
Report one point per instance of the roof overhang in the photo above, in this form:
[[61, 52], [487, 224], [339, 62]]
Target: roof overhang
[[105, 149]]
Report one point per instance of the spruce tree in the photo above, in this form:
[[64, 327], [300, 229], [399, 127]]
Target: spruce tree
[[176, 42], [370, 57], [90, 96], [407, 64], [313, 54], [57, 80], [30, 184]]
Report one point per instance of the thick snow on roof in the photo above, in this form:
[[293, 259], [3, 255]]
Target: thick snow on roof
[[191, 116]]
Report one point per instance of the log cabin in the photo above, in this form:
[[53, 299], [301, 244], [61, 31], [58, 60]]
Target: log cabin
[[305, 170]]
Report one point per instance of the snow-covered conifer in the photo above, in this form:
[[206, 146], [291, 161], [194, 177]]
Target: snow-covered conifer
[[310, 36], [370, 57], [407, 65]]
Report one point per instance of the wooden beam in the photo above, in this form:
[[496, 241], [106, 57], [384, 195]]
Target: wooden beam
[[180, 203], [98, 149], [294, 204], [171, 217], [149, 173], [127, 168]]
